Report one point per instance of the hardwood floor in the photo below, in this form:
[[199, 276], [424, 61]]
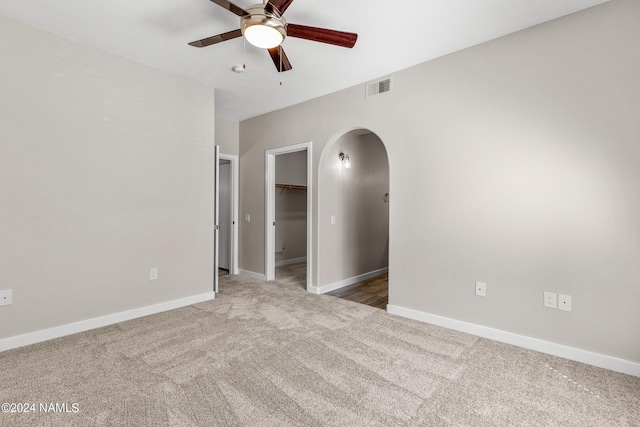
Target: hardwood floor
[[373, 292]]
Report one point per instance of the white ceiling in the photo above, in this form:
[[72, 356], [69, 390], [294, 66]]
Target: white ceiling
[[392, 35]]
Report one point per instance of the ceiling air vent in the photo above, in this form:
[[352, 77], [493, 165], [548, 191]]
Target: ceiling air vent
[[378, 87]]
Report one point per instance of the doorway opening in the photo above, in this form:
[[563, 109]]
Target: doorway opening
[[353, 215], [288, 225], [226, 214]]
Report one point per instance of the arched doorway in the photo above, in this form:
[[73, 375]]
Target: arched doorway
[[354, 218]]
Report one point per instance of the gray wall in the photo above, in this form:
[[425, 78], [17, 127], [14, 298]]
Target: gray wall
[[291, 168], [106, 170], [515, 163], [227, 135], [358, 241]]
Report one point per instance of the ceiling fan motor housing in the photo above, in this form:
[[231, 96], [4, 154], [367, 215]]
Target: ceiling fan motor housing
[[269, 28]]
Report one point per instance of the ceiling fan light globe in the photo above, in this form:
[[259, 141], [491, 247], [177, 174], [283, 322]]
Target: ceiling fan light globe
[[263, 36], [263, 28]]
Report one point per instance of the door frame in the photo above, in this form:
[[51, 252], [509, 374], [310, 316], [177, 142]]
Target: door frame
[[233, 161], [216, 216], [217, 156], [270, 207]]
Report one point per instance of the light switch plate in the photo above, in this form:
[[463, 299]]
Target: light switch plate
[[481, 289]]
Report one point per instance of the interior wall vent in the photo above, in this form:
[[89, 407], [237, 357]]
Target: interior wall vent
[[378, 87]]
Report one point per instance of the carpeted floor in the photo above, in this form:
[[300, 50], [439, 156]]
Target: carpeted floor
[[270, 354]]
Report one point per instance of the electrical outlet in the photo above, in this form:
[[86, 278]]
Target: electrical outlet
[[481, 289], [6, 297], [153, 273], [564, 302], [551, 300]]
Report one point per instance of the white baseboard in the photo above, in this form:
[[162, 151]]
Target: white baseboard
[[291, 261], [571, 353], [98, 322], [350, 281], [252, 275], [313, 290]]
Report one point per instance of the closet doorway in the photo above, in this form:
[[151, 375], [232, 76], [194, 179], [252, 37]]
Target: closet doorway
[[288, 212]]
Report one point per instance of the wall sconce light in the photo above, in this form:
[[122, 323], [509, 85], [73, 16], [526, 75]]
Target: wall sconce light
[[346, 161]]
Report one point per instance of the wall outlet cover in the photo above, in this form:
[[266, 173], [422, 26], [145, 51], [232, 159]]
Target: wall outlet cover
[[550, 300]]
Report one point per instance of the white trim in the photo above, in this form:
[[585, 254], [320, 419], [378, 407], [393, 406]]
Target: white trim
[[350, 281], [252, 274], [99, 322], [269, 215], [234, 208], [314, 290], [566, 352], [216, 214], [290, 261], [310, 248]]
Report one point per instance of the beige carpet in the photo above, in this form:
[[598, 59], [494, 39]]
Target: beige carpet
[[270, 354]]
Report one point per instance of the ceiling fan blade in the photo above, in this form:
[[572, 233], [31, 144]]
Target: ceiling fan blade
[[217, 39], [281, 5], [230, 6], [322, 35], [277, 54]]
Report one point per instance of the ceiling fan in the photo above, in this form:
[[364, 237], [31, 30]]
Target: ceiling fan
[[263, 26]]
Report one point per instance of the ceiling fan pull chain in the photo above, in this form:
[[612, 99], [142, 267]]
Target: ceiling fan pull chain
[[280, 47], [244, 53]]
